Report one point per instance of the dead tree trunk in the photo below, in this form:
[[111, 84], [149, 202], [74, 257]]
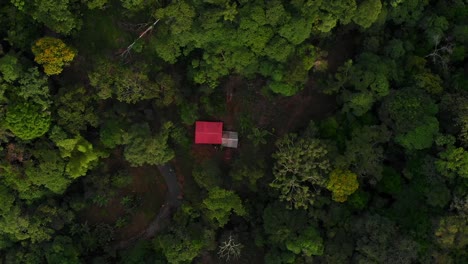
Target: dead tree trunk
[[126, 52]]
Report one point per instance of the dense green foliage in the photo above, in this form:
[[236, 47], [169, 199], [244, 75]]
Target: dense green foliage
[[27, 120], [352, 118]]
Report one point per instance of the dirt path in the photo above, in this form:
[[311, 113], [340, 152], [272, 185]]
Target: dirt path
[[168, 172], [232, 106], [173, 201]]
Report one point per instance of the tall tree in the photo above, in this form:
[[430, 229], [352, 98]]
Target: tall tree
[[300, 163]]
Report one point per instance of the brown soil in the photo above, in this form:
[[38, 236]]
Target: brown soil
[[286, 114], [342, 50], [202, 152], [232, 103], [147, 184], [179, 170], [297, 111]]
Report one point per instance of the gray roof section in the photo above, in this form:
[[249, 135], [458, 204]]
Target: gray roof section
[[230, 139]]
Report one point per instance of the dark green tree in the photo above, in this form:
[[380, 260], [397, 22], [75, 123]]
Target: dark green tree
[[60, 16], [411, 115], [128, 84], [62, 250], [74, 109], [365, 152], [183, 244]]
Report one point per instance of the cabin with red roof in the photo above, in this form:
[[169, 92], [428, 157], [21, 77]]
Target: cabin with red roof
[[212, 133], [208, 132]]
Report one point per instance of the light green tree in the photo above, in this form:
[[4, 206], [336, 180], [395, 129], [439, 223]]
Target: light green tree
[[342, 10], [10, 68], [367, 13], [308, 242], [296, 30], [453, 162], [49, 171], [27, 120], [81, 155], [220, 204], [33, 86], [14, 177], [22, 227]]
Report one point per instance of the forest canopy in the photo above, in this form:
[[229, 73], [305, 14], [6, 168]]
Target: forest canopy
[[351, 116]]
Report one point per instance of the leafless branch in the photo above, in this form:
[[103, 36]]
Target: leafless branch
[[230, 249], [441, 55], [126, 52]]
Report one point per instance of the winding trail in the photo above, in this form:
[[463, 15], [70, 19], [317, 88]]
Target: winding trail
[[173, 201]]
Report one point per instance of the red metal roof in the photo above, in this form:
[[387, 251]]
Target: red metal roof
[[208, 132]]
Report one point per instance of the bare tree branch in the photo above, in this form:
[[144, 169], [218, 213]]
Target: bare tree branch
[[126, 52], [441, 55], [230, 249]]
